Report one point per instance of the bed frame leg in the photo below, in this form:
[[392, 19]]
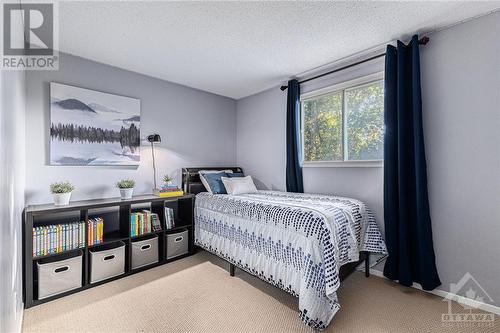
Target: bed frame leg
[[367, 264], [231, 269]]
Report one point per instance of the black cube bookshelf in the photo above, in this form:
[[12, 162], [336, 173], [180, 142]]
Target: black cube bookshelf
[[116, 216]]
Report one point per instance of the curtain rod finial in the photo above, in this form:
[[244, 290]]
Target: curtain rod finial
[[424, 40], [283, 88]]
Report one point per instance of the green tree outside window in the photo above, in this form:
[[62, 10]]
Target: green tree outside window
[[363, 113]]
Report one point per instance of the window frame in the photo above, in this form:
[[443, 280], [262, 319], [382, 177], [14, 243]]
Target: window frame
[[338, 88]]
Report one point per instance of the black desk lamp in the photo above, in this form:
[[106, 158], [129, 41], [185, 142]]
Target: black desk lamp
[[154, 138]]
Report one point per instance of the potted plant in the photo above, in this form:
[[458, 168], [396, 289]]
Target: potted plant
[[167, 180], [61, 192], [126, 187]]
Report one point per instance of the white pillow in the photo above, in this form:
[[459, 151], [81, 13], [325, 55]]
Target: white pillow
[[204, 181], [239, 185]]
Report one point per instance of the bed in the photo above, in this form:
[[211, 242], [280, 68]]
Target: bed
[[304, 244]]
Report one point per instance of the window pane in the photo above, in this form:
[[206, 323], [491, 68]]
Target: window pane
[[323, 128], [365, 122]]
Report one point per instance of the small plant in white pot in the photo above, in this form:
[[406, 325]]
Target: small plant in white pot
[[61, 192], [126, 187]]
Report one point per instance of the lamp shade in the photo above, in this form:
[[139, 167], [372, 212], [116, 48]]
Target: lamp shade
[[154, 138]]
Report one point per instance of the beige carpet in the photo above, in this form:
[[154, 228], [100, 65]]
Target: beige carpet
[[197, 294]]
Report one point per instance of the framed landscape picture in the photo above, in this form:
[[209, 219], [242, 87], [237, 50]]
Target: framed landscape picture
[[89, 127]]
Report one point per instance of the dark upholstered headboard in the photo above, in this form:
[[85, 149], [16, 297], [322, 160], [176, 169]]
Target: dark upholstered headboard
[[191, 182]]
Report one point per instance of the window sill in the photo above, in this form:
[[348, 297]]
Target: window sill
[[345, 164]]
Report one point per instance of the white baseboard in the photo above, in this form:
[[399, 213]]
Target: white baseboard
[[457, 298], [19, 320]]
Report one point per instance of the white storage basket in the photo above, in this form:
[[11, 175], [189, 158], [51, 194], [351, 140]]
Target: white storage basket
[[59, 274], [177, 244], [144, 252], [107, 261]]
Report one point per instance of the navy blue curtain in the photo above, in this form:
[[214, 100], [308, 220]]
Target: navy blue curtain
[[293, 151], [407, 220]]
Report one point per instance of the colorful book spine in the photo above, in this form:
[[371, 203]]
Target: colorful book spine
[[82, 234], [69, 236], [45, 241], [51, 239], [89, 231], [34, 243], [99, 232], [49, 235], [136, 226], [73, 236], [141, 223], [169, 218], [58, 238], [132, 225], [65, 235], [95, 230]]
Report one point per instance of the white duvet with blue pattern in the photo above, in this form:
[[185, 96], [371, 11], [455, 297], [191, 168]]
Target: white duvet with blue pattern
[[294, 241]]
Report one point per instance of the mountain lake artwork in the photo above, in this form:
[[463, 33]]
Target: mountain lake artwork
[[93, 128]]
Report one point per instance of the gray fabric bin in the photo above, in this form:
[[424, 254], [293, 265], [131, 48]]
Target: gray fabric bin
[[144, 252], [177, 244], [107, 261], [59, 274]]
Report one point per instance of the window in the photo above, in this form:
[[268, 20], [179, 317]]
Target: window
[[344, 124]]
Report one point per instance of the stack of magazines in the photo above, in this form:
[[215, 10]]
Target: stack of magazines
[[168, 191], [95, 228], [58, 238], [169, 218], [140, 223]]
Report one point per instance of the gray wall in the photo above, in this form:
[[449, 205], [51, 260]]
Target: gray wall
[[261, 146], [12, 138], [197, 128], [461, 83], [461, 103]]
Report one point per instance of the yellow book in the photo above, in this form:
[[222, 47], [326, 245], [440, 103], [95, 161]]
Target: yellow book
[[136, 217], [168, 193], [59, 242], [102, 231], [99, 234]]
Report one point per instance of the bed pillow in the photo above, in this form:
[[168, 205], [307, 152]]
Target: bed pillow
[[214, 182], [235, 174], [204, 172], [239, 185]]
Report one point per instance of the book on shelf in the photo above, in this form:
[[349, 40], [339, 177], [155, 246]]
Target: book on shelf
[[169, 218], [140, 223], [155, 222], [95, 227], [52, 239]]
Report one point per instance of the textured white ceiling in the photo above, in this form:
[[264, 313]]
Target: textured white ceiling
[[236, 49]]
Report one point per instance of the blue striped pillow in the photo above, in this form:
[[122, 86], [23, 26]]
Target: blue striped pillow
[[215, 183]]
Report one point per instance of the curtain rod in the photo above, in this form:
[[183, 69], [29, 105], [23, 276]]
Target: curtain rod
[[422, 41]]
